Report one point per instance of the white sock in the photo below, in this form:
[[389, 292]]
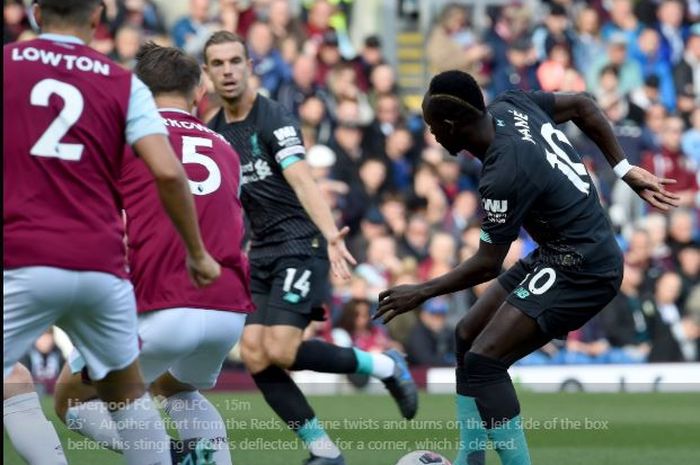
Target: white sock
[[33, 436], [382, 365], [195, 417], [92, 420], [142, 432]]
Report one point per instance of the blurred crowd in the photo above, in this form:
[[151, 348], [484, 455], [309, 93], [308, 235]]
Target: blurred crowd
[[413, 210]]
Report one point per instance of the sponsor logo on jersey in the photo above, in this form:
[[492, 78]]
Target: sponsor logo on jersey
[[255, 171], [522, 125], [287, 136], [496, 210], [521, 293]]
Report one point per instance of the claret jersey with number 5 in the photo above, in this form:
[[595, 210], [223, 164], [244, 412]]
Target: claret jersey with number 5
[[68, 113], [534, 178]]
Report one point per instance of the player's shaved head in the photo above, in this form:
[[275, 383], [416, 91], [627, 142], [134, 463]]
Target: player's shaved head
[[453, 96], [75, 12], [167, 70]]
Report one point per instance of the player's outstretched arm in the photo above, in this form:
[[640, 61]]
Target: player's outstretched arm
[[484, 266], [175, 195], [582, 109], [298, 175]]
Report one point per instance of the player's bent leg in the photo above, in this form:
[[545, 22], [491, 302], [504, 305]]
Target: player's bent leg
[[252, 348], [489, 391], [281, 344], [32, 435]]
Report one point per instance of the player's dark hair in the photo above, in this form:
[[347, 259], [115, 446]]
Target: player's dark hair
[[454, 95], [67, 11], [222, 37], [167, 69]]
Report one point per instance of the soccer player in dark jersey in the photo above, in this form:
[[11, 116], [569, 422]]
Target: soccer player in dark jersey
[[63, 260], [293, 237], [531, 177]]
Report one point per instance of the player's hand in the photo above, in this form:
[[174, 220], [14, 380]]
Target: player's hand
[[651, 188], [203, 271], [339, 256], [398, 300]]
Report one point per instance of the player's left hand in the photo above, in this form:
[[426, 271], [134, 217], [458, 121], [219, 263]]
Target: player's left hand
[[652, 188], [398, 300], [339, 256]]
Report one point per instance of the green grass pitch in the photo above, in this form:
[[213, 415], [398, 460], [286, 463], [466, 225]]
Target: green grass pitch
[[563, 429]]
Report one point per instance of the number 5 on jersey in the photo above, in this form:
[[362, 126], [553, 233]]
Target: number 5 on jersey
[[190, 155]]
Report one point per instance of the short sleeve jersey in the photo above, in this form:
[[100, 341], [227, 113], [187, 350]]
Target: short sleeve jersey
[[533, 177], [268, 141], [66, 122], [156, 253]]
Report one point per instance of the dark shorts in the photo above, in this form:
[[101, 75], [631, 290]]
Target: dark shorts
[[559, 300], [289, 290]]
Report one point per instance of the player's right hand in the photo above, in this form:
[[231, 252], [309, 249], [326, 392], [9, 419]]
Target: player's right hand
[[339, 256], [203, 271], [652, 188]]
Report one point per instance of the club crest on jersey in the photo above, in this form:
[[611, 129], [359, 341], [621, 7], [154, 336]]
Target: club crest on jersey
[[522, 125], [496, 210]]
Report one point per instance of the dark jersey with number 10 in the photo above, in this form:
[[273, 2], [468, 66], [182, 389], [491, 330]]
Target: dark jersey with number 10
[[533, 177]]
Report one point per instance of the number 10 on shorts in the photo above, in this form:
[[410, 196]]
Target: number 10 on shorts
[[302, 285]]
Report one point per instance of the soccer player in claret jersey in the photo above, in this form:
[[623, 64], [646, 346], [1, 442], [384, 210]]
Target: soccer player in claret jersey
[[293, 237], [64, 139], [185, 332], [531, 177]]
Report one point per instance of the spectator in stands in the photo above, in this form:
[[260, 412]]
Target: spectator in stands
[[371, 55], [648, 55], [680, 230], [431, 341], [372, 226], [302, 86], [510, 24], [393, 208], [441, 256], [268, 64], [671, 29], [556, 31], [342, 84], [387, 117], [415, 240], [143, 14], [690, 142], [622, 20], [328, 57], [630, 73], [398, 150], [427, 196], [14, 20], [382, 81], [347, 142], [355, 328], [382, 264], [588, 44], [686, 73], [126, 44], [191, 32], [319, 21], [623, 320], [673, 334], [556, 73], [464, 210], [670, 162], [520, 71], [315, 123], [283, 25], [453, 45]]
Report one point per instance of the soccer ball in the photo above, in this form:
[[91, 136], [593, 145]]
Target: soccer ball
[[423, 457]]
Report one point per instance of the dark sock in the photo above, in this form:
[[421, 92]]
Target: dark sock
[[284, 397], [325, 358], [488, 383]]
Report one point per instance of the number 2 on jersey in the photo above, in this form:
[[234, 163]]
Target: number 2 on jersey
[[49, 144], [190, 155], [559, 159]]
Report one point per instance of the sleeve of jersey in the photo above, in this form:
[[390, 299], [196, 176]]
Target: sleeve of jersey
[[545, 100], [142, 117], [505, 198], [286, 143]]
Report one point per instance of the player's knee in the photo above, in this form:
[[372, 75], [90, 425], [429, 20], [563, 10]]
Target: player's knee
[[484, 370], [280, 355]]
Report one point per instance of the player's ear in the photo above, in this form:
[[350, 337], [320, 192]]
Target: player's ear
[[36, 11], [199, 92], [96, 16]]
